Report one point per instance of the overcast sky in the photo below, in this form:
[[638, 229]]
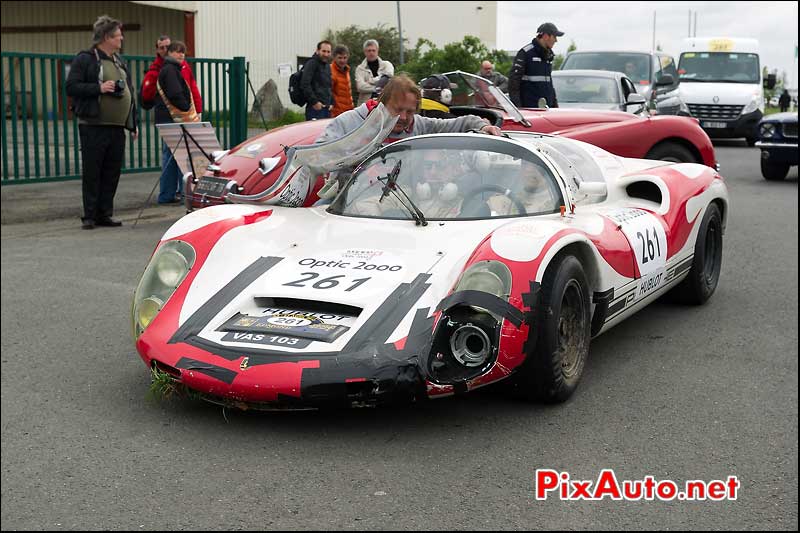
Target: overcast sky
[[629, 26]]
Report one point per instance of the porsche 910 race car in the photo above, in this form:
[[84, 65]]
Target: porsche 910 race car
[[446, 263], [254, 166]]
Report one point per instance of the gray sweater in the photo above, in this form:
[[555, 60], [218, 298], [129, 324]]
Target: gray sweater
[[350, 120]]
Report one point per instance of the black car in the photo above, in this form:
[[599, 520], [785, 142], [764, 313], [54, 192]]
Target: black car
[[778, 142]]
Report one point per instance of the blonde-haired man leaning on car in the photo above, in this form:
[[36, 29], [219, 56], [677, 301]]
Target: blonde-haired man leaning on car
[[401, 96], [370, 71]]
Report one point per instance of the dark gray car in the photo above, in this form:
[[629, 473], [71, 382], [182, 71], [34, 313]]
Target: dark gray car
[[654, 75]]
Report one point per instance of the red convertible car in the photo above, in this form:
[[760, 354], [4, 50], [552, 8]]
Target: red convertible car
[[253, 166]]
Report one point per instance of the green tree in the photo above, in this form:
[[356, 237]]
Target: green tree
[[354, 37], [426, 58], [559, 58]]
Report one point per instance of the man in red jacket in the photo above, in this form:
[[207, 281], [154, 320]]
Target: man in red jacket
[[151, 77], [169, 172]]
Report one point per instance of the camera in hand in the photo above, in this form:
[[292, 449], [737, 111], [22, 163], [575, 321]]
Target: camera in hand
[[119, 88]]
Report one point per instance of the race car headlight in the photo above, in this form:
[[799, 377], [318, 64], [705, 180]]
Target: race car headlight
[[167, 269], [148, 310], [493, 277], [752, 106], [767, 130], [171, 268]]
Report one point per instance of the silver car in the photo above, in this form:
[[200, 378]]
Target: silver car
[[597, 89]]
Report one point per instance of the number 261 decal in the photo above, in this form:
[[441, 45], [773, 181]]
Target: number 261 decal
[[326, 283], [651, 246]]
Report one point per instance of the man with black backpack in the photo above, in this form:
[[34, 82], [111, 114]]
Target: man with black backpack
[[315, 83], [102, 99]]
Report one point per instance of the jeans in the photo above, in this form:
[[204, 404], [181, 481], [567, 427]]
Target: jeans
[[312, 113], [171, 184]]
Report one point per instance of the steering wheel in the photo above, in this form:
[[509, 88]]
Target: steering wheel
[[471, 197]]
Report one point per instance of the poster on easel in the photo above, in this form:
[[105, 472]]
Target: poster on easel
[[193, 150]]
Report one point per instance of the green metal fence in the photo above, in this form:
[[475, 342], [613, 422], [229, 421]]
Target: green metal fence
[[40, 133]]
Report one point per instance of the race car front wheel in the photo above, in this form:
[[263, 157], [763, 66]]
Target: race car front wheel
[[553, 368], [703, 277]]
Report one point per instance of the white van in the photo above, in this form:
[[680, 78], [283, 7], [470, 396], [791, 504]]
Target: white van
[[722, 85]]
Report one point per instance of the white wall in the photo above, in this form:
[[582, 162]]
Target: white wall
[[153, 22], [266, 33], [271, 33]]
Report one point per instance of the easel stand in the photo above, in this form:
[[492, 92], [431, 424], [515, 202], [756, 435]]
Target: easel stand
[[181, 142]]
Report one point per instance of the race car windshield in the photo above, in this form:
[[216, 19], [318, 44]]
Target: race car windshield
[[305, 162], [573, 159], [475, 91], [459, 177]]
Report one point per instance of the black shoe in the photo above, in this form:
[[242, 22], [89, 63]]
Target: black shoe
[[88, 223], [108, 222], [174, 201]]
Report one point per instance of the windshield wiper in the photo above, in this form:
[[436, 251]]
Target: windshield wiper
[[391, 180], [391, 186], [414, 210]]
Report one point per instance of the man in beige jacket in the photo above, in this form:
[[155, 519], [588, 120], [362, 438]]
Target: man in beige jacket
[[370, 71]]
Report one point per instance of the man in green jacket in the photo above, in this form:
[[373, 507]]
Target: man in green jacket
[[101, 92]]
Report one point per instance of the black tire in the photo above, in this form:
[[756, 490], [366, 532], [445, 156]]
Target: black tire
[[670, 151], [774, 171], [552, 371], [703, 277]]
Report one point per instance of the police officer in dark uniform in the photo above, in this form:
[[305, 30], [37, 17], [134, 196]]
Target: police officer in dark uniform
[[530, 79]]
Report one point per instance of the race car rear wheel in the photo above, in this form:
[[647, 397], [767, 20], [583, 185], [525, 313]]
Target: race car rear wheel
[[553, 369], [703, 277], [670, 151], [774, 171]]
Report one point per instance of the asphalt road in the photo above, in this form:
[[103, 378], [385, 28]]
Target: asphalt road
[[675, 393]]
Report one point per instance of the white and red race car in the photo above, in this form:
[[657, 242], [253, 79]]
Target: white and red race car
[[445, 263]]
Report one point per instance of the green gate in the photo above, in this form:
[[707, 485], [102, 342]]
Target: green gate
[[40, 133]]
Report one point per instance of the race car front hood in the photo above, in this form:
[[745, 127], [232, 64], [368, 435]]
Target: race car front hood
[[303, 280]]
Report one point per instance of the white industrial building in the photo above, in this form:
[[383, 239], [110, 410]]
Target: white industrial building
[[267, 34]]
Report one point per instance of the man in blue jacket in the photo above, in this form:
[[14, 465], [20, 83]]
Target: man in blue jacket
[[530, 79]]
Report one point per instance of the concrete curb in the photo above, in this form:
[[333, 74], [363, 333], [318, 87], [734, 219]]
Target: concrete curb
[[36, 202]]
